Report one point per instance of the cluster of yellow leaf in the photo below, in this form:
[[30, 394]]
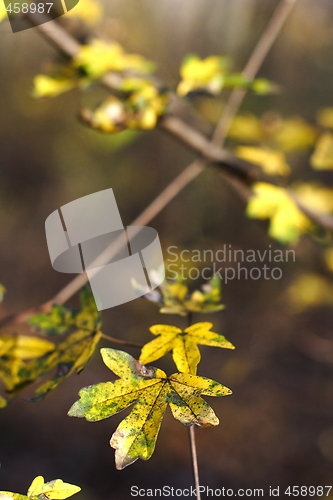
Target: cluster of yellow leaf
[[100, 56], [287, 222], [287, 135], [91, 62], [39, 490], [212, 75], [24, 359], [175, 298], [140, 108], [151, 391]]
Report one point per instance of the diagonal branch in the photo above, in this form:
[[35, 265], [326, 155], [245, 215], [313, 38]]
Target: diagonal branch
[[239, 172]]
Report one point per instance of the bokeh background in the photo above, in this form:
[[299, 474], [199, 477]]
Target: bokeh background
[[277, 427]]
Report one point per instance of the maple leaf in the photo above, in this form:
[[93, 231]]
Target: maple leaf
[[38, 490], [183, 344], [151, 391]]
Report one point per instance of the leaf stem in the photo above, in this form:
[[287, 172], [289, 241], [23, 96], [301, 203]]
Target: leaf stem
[[194, 461], [121, 342]]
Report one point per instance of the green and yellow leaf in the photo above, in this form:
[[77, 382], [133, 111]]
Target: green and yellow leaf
[[53, 490], [70, 355], [151, 391], [183, 344]]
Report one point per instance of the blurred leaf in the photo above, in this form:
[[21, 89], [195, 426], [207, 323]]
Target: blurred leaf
[[3, 12], [3, 404], [151, 391], [199, 73], [261, 86], [24, 347], [68, 356], [46, 86], [2, 292], [272, 162], [294, 134], [63, 319], [316, 198], [100, 56], [53, 490], [89, 11], [246, 127], [310, 290], [140, 109], [174, 297], [183, 344], [322, 157], [328, 255], [287, 222], [325, 117]]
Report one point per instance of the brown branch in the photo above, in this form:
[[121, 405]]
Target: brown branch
[[121, 342], [252, 67], [237, 169]]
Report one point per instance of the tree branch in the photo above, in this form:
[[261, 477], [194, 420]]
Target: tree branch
[[240, 172]]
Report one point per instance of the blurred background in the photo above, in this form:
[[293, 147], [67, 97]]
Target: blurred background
[[277, 427]]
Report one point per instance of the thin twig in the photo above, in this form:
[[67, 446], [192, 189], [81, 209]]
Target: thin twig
[[121, 342], [194, 461], [252, 67]]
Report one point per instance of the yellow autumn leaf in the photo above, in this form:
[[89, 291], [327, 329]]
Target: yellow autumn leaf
[[3, 12], [100, 57], [310, 290], [272, 162], [46, 86], [246, 127], [322, 157], [205, 73], [3, 404], [151, 391], [183, 344], [325, 117], [287, 222], [89, 11], [36, 486], [24, 347], [294, 134], [53, 490]]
